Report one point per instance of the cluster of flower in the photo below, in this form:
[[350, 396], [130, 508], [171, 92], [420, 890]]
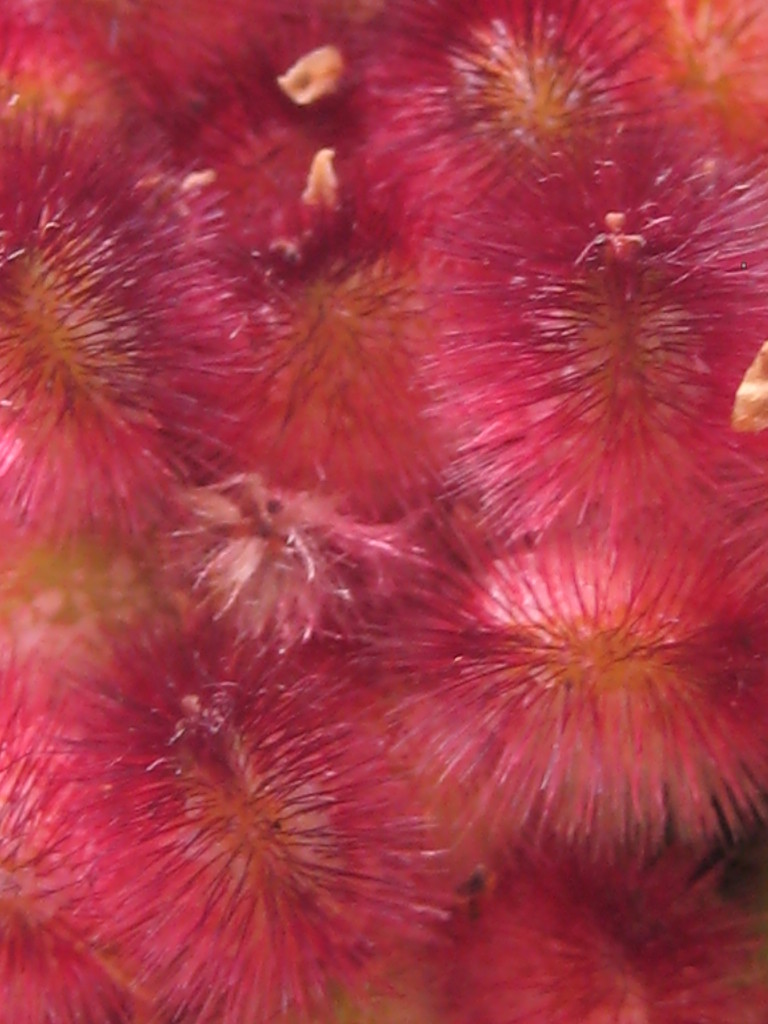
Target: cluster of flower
[[384, 501]]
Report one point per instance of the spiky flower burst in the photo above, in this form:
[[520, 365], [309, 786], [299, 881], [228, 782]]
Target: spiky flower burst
[[562, 941], [600, 690], [99, 401], [491, 83], [599, 356], [51, 966], [251, 848], [270, 560], [339, 328]]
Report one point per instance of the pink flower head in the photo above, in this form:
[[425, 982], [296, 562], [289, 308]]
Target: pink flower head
[[61, 603], [465, 90], [116, 347], [294, 89], [339, 327], [253, 849], [711, 57], [605, 311], [44, 72], [599, 686]]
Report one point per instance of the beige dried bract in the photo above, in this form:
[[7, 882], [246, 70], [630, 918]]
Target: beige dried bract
[[322, 184], [198, 179], [313, 76], [750, 410]]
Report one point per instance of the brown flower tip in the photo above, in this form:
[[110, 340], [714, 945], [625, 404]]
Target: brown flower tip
[[750, 410], [313, 76], [198, 179]]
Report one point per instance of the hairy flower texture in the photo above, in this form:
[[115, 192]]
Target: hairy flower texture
[[117, 353], [51, 966], [284, 562], [604, 316], [46, 73], [252, 848], [626, 944], [338, 336], [603, 688], [436, 747], [713, 56], [464, 87]]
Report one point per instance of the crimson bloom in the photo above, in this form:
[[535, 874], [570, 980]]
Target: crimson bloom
[[713, 59], [251, 847], [101, 405], [338, 328], [46, 73], [465, 90], [595, 688], [605, 311]]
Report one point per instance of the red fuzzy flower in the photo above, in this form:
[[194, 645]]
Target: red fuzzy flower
[[45, 73], [598, 685], [116, 348], [712, 58], [252, 849], [163, 56], [61, 604], [464, 90], [338, 330], [296, 90], [605, 312]]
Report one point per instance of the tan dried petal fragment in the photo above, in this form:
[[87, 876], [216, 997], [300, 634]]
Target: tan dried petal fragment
[[750, 410], [198, 179], [322, 184], [313, 76]]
